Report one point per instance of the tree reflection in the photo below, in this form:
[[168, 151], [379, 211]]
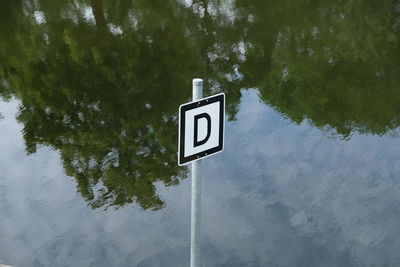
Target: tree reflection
[[100, 81], [107, 101], [336, 65]]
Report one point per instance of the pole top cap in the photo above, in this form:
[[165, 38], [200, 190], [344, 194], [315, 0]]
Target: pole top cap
[[197, 81]]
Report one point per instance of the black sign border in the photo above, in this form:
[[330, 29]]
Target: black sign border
[[182, 112]]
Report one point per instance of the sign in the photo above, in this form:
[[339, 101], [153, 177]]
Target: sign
[[201, 128]]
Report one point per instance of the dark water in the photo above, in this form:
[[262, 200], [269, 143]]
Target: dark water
[[88, 132]]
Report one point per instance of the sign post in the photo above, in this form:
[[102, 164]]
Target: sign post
[[196, 193], [201, 134]]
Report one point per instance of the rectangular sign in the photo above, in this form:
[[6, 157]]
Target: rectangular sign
[[201, 128]]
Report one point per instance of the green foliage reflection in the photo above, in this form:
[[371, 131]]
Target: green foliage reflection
[[335, 64], [100, 81]]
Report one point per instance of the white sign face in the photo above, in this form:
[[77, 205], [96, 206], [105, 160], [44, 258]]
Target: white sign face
[[201, 128]]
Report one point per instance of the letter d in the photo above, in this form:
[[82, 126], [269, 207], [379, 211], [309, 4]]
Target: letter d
[[196, 129]]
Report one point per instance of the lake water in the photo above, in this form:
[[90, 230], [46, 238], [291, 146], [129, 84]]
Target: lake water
[[89, 97]]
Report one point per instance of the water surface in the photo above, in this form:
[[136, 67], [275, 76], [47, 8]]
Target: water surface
[[88, 132]]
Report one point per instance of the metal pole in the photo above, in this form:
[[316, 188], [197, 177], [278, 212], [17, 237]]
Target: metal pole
[[196, 193]]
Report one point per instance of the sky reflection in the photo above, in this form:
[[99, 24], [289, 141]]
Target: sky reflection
[[280, 194]]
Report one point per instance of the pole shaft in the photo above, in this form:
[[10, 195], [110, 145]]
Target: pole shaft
[[196, 193]]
